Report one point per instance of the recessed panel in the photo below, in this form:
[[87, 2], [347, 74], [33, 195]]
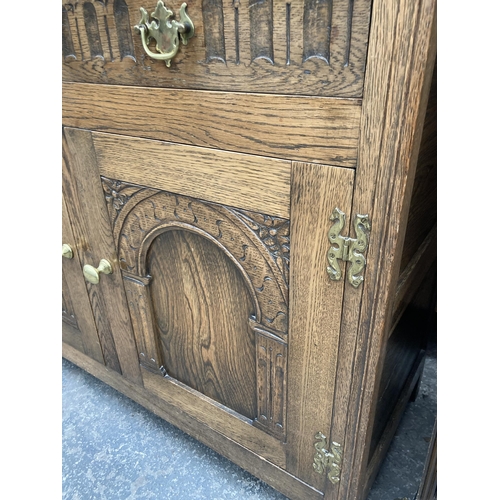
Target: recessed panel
[[201, 309]]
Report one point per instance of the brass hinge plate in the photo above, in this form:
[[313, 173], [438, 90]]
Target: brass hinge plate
[[347, 249], [329, 462]]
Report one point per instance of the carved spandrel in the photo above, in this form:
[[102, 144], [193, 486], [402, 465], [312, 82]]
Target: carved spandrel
[[68, 48], [317, 29], [92, 30], [261, 30], [274, 232], [117, 194]]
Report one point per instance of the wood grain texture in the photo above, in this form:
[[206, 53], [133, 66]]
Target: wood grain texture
[[75, 298], [218, 176], [203, 281], [216, 416], [256, 464], [315, 312], [399, 70], [271, 354], [254, 253], [94, 241], [307, 48], [201, 309], [318, 130]]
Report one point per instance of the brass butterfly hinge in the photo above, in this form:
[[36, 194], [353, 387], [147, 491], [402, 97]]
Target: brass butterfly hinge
[[347, 249], [327, 461]]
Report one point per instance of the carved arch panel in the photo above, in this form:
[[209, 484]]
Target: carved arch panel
[[258, 247]]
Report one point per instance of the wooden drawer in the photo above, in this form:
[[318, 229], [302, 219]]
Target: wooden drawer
[[302, 47]]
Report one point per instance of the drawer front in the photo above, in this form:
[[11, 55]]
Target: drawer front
[[302, 47]]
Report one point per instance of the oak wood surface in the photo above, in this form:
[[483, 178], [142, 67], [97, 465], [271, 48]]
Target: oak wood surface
[[300, 46], [94, 241], [216, 416], [212, 175], [317, 130], [201, 309], [256, 464], [232, 351], [337, 338], [82, 330], [315, 312], [399, 69]]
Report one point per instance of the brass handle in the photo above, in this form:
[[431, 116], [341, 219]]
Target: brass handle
[[166, 31], [91, 274], [67, 251]]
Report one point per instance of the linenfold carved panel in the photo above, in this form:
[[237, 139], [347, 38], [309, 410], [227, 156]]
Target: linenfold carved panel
[[96, 29], [303, 46], [257, 244]]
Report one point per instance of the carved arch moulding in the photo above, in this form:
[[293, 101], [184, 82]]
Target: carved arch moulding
[[257, 244]]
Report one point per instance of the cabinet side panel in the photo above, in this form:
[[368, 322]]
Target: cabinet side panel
[[423, 206], [92, 229], [403, 347], [315, 311]]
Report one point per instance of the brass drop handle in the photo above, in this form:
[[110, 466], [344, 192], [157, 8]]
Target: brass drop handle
[[165, 30], [91, 274], [67, 251]]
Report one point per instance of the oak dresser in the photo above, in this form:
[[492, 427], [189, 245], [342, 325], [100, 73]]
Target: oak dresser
[[249, 222]]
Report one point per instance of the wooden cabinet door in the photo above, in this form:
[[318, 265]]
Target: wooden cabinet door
[[78, 327], [87, 212], [235, 319]]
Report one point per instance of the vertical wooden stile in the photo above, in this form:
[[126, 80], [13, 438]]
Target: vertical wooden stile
[[315, 311], [92, 229], [398, 77]]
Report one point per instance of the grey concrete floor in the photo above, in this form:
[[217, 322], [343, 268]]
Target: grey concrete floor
[[113, 449]]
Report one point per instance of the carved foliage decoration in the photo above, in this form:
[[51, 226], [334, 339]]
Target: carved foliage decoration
[[258, 246], [274, 232], [117, 193]]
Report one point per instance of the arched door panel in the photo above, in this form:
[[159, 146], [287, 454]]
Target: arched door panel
[[201, 308]]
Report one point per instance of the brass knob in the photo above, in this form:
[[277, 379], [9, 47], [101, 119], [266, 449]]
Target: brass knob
[[67, 251], [91, 274]]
